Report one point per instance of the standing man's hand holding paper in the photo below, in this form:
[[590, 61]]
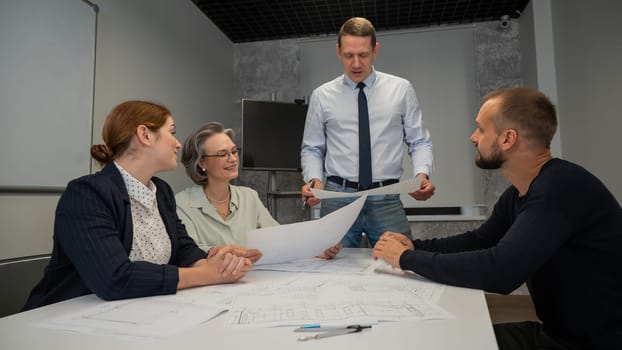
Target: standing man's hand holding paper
[[425, 190]]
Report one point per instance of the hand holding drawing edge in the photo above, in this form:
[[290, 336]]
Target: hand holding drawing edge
[[307, 195], [331, 252], [426, 188]]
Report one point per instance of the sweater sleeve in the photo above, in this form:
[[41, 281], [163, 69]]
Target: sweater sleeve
[[498, 256]]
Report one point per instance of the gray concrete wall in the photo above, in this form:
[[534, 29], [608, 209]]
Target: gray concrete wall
[[498, 60]]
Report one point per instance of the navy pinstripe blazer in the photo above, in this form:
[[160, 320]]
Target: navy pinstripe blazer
[[93, 239]]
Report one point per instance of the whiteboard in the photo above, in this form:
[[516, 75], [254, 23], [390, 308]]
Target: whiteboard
[[47, 57], [440, 63]]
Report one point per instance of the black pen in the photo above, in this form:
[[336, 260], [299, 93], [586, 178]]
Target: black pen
[[304, 201]]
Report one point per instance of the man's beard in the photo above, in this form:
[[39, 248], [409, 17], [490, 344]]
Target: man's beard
[[492, 162]]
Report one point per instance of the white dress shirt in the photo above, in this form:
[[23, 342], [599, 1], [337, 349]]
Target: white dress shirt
[[330, 141]]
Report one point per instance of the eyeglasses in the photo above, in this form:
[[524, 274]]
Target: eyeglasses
[[225, 154]]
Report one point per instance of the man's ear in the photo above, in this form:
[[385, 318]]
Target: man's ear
[[508, 138]]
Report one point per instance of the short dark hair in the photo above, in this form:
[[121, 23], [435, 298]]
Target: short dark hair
[[358, 26], [528, 110]]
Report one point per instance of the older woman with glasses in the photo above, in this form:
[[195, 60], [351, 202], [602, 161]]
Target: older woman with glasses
[[215, 212]]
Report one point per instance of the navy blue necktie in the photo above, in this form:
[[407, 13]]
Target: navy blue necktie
[[364, 141]]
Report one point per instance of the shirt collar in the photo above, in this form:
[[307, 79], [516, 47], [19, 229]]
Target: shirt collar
[[144, 195], [369, 81], [197, 197], [235, 198]]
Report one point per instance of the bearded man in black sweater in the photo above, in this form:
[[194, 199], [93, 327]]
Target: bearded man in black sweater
[[557, 228]]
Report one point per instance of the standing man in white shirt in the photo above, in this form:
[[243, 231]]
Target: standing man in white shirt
[[354, 134]]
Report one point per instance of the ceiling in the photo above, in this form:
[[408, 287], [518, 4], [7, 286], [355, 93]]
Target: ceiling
[[258, 20]]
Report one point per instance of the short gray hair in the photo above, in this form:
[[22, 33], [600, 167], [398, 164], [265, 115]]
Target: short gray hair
[[193, 150]]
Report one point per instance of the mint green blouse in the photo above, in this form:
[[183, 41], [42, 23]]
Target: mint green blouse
[[208, 229]]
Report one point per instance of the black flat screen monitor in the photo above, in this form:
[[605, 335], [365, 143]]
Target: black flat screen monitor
[[272, 135]]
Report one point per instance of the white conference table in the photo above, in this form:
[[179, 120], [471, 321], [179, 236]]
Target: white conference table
[[470, 329]]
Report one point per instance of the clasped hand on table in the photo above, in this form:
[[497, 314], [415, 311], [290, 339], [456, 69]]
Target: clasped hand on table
[[391, 246]]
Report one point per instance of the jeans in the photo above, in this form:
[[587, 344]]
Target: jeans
[[379, 214]]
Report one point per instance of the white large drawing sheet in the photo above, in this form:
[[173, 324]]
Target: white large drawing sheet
[[304, 239], [140, 319], [337, 299]]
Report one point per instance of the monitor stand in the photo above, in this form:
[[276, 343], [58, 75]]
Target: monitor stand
[[274, 193]]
